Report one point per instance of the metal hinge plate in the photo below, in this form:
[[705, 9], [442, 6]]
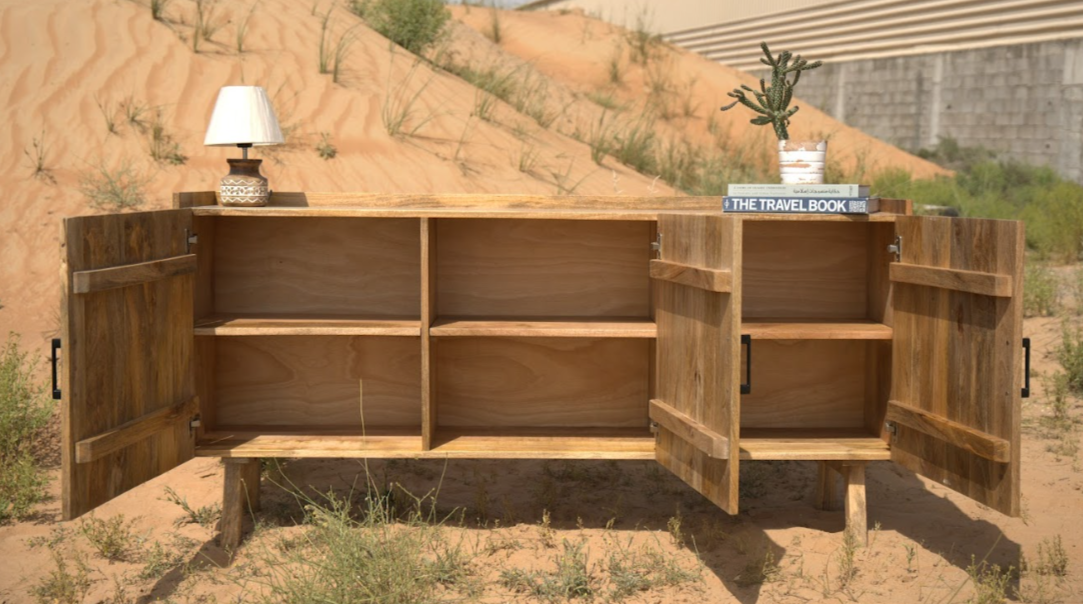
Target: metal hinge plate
[[896, 248], [656, 246], [190, 239], [891, 428], [194, 423]]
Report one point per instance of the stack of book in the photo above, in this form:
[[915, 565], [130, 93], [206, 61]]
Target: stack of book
[[800, 199]]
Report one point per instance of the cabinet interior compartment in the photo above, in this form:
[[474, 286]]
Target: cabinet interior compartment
[[308, 269], [539, 269], [585, 394], [311, 384]]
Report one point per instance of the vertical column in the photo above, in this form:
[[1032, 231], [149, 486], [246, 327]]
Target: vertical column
[[825, 487], [240, 493], [857, 522], [428, 345]]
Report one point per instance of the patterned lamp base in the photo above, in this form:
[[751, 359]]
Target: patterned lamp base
[[244, 185]]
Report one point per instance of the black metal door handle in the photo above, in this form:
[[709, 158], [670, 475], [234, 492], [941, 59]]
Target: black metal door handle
[[1026, 368], [56, 387], [746, 341]]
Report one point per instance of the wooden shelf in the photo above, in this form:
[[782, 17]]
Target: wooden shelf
[[481, 443], [537, 327], [543, 443], [814, 329], [306, 325], [812, 444], [273, 441]]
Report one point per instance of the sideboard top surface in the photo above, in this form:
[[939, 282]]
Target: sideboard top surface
[[539, 207]]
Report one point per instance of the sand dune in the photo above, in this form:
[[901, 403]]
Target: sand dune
[[67, 69]]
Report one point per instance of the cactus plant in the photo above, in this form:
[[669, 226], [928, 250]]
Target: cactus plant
[[772, 102]]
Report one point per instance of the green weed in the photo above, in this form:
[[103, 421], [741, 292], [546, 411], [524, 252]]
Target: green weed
[[990, 582], [37, 155], [114, 189], [24, 412], [242, 27], [112, 538], [1040, 293], [759, 570], [1070, 356], [398, 111], [63, 585], [412, 24], [163, 148], [157, 9], [325, 147], [573, 577], [204, 516]]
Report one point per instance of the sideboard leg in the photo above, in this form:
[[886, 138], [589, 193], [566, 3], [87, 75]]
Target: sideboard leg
[[857, 522], [825, 487], [240, 493]]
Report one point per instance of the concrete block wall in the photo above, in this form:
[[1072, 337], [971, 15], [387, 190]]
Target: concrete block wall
[[1023, 101]]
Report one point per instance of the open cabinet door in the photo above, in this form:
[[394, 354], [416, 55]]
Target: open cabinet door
[[957, 349], [697, 310], [127, 336]]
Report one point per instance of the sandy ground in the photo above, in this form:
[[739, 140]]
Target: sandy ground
[[67, 67]]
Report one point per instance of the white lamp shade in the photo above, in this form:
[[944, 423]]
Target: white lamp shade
[[243, 115]]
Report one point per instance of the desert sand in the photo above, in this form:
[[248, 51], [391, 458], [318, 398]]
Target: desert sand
[[69, 69]]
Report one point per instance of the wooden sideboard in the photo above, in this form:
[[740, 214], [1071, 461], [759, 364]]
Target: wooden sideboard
[[354, 325]]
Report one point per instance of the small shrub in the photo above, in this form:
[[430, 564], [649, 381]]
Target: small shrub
[[62, 585], [412, 24], [1070, 356], [163, 149], [634, 570], [572, 578], [1052, 559], [1040, 295], [158, 560], [109, 114], [37, 156], [204, 516], [642, 44], [205, 24], [24, 413], [114, 190], [614, 67], [134, 113], [398, 111], [760, 570], [325, 147], [113, 538], [990, 582]]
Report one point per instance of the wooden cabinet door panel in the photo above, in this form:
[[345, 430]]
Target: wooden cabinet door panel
[[697, 309], [127, 384], [957, 371]]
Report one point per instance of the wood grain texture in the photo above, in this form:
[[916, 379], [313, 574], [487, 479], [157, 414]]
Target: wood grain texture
[[964, 437], [131, 432], [516, 203], [826, 487], [857, 522], [85, 282], [805, 383], [986, 284], [704, 278], [448, 443], [586, 327], [957, 355], [551, 268], [193, 199], [305, 441], [127, 353], [812, 444], [878, 354], [527, 443], [318, 381], [697, 350], [304, 325], [337, 267], [814, 329], [240, 475], [542, 382], [428, 344], [690, 430], [805, 269]]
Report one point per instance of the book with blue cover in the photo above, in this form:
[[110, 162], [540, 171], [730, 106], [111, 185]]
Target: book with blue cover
[[801, 205]]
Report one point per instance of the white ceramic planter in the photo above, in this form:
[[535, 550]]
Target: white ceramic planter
[[802, 162]]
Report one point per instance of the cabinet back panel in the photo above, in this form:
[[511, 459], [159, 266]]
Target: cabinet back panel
[[805, 269], [542, 382], [333, 266], [322, 381], [552, 268], [806, 384]]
